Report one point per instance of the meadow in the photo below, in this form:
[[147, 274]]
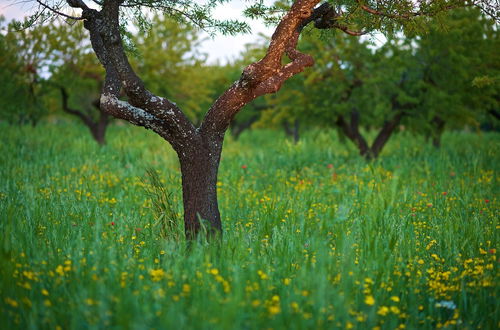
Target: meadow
[[314, 236]]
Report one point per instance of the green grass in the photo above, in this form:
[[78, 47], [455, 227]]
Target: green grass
[[314, 237]]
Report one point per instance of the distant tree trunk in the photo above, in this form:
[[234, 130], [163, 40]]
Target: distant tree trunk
[[97, 127], [292, 131], [385, 133], [239, 127], [438, 130], [351, 131]]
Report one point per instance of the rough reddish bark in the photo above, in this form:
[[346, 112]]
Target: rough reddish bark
[[199, 149]]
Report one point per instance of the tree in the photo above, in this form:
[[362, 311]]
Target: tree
[[199, 148], [452, 64]]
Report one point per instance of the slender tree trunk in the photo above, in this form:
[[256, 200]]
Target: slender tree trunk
[[199, 169], [296, 127], [438, 123], [292, 131]]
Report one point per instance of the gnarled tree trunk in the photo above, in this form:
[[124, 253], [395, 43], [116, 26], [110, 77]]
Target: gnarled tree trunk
[[199, 149], [199, 168]]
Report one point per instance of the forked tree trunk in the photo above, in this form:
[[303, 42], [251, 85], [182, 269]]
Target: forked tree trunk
[[199, 148], [352, 132], [384, 135], [199, 170]]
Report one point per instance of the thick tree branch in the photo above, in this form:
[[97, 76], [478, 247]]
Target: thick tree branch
[[144, 108], [134, 87], [266, 75]]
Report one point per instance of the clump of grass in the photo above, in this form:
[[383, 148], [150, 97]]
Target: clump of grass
[[163, 206]]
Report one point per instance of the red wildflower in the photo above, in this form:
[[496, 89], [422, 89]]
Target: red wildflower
[[244, 167]]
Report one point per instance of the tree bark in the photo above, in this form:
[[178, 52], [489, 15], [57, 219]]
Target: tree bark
[[199, 170]]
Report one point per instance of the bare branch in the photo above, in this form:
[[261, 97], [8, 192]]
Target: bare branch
[[58, 12]]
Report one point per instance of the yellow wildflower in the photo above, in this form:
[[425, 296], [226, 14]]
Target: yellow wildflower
[[157, 274], [395, 310], [273, 310], [383, 310], [369, 300]]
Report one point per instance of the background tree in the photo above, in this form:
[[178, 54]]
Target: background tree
[[450, 62], [199, 148]]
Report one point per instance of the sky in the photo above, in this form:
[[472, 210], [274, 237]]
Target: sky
[[220, 48]]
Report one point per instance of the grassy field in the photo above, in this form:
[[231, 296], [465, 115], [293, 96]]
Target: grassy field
[[314, 236]]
